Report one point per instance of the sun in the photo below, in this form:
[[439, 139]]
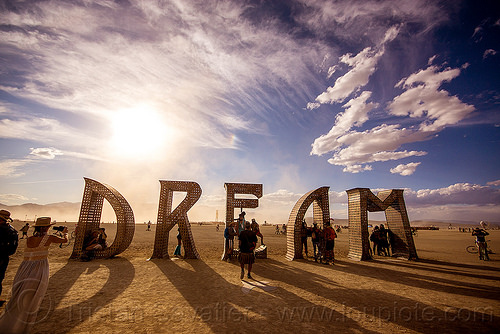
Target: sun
[[139, 132]]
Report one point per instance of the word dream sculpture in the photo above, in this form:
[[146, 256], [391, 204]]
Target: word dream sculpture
[[321, 215], [232, 202], [90, 218], [361, 201], [167, 218]]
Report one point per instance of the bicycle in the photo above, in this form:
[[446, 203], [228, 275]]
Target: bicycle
[[474, 249], [71, 236]]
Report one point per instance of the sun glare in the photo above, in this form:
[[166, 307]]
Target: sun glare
[[139, 132]]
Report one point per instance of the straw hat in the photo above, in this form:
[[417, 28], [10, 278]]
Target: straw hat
[[43, 221], [5, 215]]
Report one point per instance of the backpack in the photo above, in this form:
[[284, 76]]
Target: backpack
[[8, 240]]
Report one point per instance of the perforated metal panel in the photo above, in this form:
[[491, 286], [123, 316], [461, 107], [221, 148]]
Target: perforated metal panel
[[321, 215], [90, 218], [231, 202], [361, 201], [167, 218]]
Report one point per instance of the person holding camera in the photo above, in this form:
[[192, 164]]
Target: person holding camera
[[31, 280]]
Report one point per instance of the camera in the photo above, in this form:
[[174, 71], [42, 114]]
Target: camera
[[59, 228]]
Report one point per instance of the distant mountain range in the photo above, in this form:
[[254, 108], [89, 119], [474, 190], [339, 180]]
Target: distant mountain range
[[63, 211]]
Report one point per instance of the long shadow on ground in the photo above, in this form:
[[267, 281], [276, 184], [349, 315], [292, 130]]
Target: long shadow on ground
[[253, 312], [381, 305], [121, 274]]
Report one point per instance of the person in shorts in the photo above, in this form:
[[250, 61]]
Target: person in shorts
[[247, 242]]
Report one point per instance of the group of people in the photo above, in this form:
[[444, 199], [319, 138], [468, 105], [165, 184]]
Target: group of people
[[381, 238], [323, 241], [247, 233]]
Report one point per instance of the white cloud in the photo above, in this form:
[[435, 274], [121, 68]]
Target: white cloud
[[489, 52], [363, 65], [45, 152], [459, 193], [423, 99], [494, 183], [11, 167], [405, 169], [378, 144], [12, 198], [355, 168], [356, 114]]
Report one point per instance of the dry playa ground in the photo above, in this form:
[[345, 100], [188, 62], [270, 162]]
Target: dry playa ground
[[446, 291]]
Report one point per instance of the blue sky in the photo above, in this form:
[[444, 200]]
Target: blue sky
[[291, 94]]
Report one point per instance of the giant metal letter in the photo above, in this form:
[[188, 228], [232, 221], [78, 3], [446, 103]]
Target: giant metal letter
[[321, 214], [168, 218], [90, 217], [362, 200], [231, 202]]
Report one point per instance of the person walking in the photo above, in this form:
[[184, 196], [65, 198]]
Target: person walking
[[25, 229], [8, 244], [247, 243], [31, 280]]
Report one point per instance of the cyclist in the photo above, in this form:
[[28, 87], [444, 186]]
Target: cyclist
[[480, 235]]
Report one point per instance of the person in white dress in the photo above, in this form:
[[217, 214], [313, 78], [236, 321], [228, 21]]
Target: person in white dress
[[31, 280]]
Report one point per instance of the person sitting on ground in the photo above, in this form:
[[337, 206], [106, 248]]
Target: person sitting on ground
[[247, 243], [95, 241]]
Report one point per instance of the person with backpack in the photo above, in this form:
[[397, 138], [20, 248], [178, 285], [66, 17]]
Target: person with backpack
[[8, 244], [330, 236]]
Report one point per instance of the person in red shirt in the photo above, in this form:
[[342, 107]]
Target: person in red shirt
[[330, 236]]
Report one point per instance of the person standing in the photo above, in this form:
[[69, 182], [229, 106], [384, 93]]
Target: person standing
[[255, 227], [8, 244], [330, 236], [480, 235], [247, 243], [241, 222], [31, 280], [315, 240], [25, 229], [177, 251], [303, 236]]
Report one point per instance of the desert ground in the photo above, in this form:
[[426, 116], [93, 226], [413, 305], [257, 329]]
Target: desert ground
[[446, 291]]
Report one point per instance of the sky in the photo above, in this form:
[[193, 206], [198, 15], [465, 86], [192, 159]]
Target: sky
[[294, 95]]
